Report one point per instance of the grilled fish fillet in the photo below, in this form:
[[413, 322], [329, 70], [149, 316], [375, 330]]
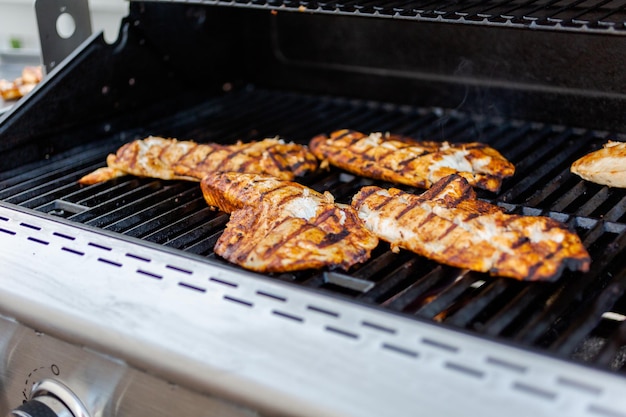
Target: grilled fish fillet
[[606, 166], [281, 226], [403, 160], [171, 159], [449, 225]]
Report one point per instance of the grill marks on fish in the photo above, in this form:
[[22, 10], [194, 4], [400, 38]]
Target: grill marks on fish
[[171, 159], [281, 226], [404, 160], [450, 225]]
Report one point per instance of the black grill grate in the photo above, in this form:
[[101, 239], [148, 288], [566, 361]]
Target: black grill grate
[[595, 15], [580, 316]]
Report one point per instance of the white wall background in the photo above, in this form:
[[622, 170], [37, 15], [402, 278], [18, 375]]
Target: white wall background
[[17, 20]]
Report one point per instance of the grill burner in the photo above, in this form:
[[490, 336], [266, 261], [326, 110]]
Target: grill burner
[[579, 317]]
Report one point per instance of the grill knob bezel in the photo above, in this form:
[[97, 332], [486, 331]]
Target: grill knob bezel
[[51, 398]]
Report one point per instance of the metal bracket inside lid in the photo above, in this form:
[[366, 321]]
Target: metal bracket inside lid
[[63, 26]]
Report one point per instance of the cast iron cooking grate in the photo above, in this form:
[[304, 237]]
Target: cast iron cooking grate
[[579, 316]]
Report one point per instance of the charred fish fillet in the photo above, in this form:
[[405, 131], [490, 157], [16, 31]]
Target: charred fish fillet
[[449, 225], [606, 166], [283, 226], [403, 160], [171, 159]]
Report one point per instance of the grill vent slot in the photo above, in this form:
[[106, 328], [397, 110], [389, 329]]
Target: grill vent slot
[[238, 301], [535, 391], [401, 350], [506, 365], [464, 370], [604, 411]]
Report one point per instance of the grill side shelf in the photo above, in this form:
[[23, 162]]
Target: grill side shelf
[[121, 298]]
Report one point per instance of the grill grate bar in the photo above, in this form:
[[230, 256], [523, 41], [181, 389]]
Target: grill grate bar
[[305, 125], [564, 12], [437, 307], [179, 231], [466, 314], [165, 226], [611, 17], [590, 13], [558, 193], [535, 161], [611, 348], [578, 330], [252, 118], [394, 281], [381, 263], [30, 175], [521, 307], [221, 130], [576, 193], [513, 135], [43, 190], [592, 204], [561, 159], [537, 145], [571, 292], [205, 244], [617, 212], [176, 195], [274, 121], [133, 218], [416, 124], [111, 199], [422, 290], [538, 10]]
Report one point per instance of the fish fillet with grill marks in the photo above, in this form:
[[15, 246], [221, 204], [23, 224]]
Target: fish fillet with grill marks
[[449, 225], [171, 159], [404, 160], [606, 166], [282, 226]]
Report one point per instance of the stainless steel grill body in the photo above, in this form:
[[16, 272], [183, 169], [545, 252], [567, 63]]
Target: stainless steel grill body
[[277, 349]]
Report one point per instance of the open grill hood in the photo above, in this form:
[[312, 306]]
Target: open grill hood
[[126, 267]]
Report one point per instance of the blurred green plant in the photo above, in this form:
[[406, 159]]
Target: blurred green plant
[[16, 43]]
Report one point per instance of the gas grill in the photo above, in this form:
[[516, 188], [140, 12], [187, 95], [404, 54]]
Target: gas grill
[[112, 301]]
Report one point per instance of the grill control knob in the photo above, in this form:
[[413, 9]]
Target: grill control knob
[[50, 398], [42, 406]]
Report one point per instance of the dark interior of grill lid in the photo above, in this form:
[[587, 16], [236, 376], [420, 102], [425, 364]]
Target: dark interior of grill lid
[[539, 81]]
